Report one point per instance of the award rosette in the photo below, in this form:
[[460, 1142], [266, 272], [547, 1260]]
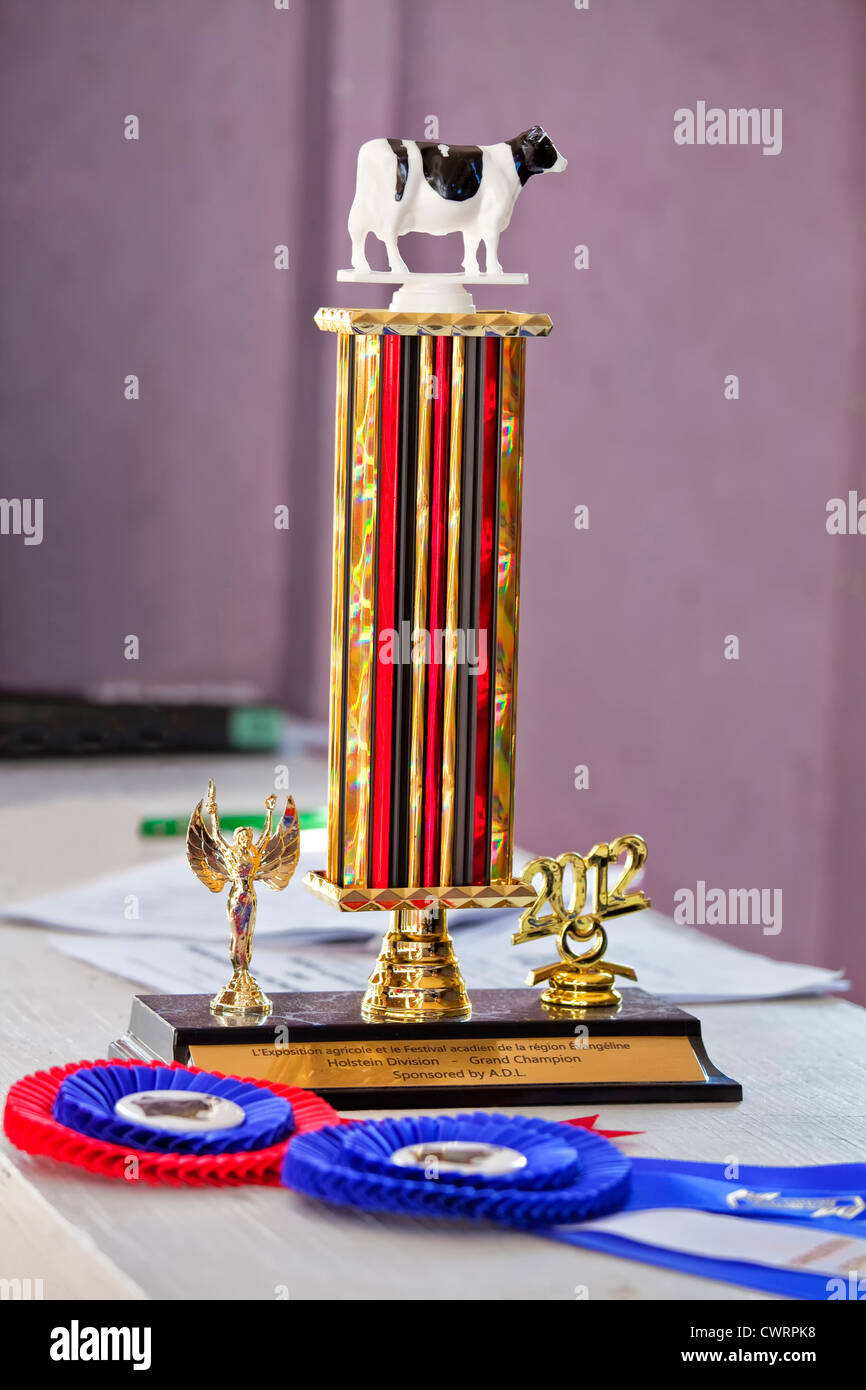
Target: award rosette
[[181, 1125], [513, 1170], [767, 1228], [235, 1116]]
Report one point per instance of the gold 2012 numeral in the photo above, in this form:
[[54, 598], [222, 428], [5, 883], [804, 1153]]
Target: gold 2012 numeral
[[571, 916]]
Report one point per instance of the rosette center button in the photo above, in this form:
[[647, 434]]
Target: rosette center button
[[180, 1111], [460, 1156]]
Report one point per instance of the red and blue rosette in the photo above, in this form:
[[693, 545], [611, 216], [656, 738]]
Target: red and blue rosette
[[87, 1101], [484, 1167], [68, 1114]]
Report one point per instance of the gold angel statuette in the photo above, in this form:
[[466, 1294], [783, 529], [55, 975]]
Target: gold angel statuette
[[273, 858]]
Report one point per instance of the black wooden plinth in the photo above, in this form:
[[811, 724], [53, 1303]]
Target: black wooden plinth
[[511, 1051]]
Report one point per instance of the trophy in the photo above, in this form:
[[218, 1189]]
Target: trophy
[[428, 466], [272, 858]]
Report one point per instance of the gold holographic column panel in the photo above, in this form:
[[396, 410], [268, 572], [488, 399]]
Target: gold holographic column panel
[[452, 610], [507, 603], [360, 645], [345, 358], [419, 613], [427, 499]]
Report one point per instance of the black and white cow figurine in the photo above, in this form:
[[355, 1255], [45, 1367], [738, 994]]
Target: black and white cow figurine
[[424, 186]]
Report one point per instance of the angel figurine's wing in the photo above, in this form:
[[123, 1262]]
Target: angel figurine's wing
[[280, 855], [205, 854]]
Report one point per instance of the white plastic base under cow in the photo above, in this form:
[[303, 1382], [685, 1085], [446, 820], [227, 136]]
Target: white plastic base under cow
[[430, 294]]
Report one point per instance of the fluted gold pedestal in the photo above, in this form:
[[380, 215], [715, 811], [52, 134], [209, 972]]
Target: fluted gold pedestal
[[581, 989], [243, 997], [416, 975]]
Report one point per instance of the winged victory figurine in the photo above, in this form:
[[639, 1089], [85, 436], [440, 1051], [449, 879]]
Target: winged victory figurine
[[273, 858]]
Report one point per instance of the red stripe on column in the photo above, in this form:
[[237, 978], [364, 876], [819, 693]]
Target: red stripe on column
[[380, 818], [486, 611], [436, 609]]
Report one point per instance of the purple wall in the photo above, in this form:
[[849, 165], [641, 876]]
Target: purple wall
[[707, 516]]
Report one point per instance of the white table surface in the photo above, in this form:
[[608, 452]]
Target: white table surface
[[802, 1064]]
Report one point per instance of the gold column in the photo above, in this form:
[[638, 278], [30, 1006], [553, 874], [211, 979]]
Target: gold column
[[419, 613], [361, 611], [449, 722]]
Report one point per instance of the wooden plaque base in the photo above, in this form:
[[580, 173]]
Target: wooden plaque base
[[511, 1051]]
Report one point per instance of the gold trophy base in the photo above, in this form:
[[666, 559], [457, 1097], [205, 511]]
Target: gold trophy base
[[416, 976], [581, 989], [242, 997]]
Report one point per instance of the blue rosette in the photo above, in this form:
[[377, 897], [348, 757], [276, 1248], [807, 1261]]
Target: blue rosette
[[548, 1175], [86, 1102]]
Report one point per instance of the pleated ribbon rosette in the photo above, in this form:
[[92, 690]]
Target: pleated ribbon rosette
[[794, 1231], [68, 1114], [567, 1174]]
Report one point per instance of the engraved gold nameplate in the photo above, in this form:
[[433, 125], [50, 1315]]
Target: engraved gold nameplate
[[459, 1062]]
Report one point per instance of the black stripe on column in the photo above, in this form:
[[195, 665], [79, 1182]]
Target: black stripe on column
[[475, 600], [464, 778], [491, 645], [407, 468]]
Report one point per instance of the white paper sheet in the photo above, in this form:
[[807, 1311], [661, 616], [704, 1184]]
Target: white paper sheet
[[693, 968], [193, 967], [155, 924], [163, 898], [678, 963]]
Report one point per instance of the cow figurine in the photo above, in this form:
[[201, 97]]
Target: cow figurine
[[423, 186]]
